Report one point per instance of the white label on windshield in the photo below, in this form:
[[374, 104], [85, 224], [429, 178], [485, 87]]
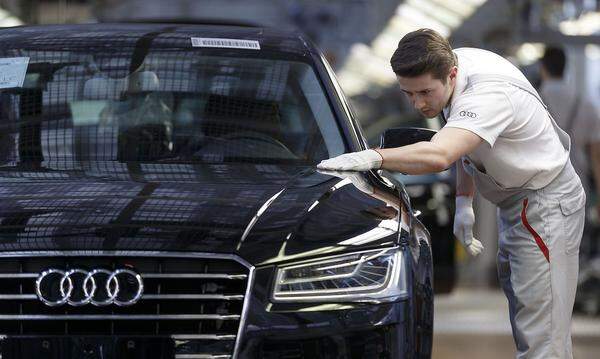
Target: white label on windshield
[[12, 71], [225, 43]]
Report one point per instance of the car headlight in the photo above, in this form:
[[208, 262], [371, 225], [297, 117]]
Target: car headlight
[[368, 276]]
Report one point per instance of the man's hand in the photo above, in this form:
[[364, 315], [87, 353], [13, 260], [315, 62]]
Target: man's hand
[[357, 180], [354, 161], [464, 218]]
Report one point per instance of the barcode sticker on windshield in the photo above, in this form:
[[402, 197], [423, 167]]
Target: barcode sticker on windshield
[[12, 71], [225, 43]]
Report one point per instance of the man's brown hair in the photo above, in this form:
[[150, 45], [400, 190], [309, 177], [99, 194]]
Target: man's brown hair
[[423, 51]]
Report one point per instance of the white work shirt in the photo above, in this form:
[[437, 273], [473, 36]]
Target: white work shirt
[[521, 148], [584, 127]]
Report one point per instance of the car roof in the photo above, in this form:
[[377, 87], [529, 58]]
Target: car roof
[[162, 34]]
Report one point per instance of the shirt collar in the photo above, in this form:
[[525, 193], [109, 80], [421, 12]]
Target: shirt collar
[[459, 88]]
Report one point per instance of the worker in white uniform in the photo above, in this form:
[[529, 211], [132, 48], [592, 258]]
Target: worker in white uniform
[[574, 113], [507, 146]]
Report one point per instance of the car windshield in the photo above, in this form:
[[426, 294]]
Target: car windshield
[[62, 106]]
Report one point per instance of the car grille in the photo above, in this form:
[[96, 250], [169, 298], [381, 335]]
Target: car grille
[[197, 300]]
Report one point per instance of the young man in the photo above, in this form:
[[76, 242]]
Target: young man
[[506, 145]]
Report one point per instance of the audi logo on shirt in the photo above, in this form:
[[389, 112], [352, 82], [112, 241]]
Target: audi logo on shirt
[[99, 287], [468, 114]]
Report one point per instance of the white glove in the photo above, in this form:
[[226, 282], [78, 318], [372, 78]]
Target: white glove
[[354, 161], [357, 180], [464, 218]]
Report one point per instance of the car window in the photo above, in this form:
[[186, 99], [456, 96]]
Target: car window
[[173, 106]]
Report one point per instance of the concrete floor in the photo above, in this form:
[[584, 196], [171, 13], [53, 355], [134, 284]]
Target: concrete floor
[[474, 324]]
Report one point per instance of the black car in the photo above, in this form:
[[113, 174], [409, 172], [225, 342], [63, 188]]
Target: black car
[[159, 199]]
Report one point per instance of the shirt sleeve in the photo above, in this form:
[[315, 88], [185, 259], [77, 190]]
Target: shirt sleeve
[[487, 113]]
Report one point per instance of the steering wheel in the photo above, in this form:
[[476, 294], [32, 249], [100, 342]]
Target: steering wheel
[[258, 136]]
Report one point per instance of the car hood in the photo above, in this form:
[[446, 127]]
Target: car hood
[[263, 213]]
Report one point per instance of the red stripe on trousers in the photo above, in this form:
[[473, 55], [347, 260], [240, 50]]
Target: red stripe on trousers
[[538, 239]]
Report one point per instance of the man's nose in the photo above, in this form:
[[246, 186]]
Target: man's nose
[[419, 103]]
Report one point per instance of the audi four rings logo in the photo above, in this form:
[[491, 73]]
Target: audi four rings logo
[[100, 287], [468, 114]]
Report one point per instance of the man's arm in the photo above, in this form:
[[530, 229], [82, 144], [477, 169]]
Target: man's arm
[[464, 182], [445, 148]]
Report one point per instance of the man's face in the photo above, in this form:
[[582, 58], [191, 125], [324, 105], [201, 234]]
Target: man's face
[[427, 94]]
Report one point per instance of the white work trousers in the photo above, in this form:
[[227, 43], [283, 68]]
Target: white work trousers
[[540, 232]]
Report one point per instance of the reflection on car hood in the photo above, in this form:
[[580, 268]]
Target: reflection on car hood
[[264, 213]]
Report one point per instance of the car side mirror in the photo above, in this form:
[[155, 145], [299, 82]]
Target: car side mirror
[[402, 136]]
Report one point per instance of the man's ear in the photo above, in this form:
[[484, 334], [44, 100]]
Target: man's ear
[[453, 72]]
